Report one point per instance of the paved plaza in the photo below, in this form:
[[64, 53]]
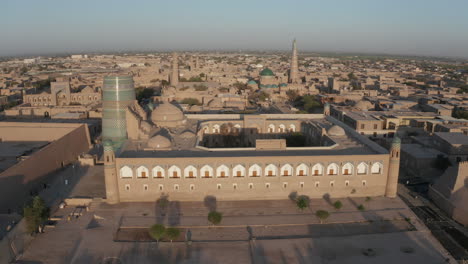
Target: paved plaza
[[386, 232]]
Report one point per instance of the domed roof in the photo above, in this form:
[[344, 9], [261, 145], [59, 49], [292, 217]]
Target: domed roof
[[363, 105], [166, 112], [150, 106], [396, 140], [87, 89], [252, 82], [187, 134], [196, 108], [159, 141], [267, 72], [336, 131], [146, 126]]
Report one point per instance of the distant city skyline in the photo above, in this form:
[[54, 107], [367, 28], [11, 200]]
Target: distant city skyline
[[417, 27]]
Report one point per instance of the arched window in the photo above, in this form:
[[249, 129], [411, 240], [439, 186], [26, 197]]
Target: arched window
[[347, 169], [222, 171], [286, 170], [271, 170], [271, 128], [126, 172], [190, 172], [255, 171], [206, 130], [282, 128], [206, 171], [362, 168], [332, 169], [158, 172], [174, 172], [292, 128], [302, 170], [238, 171], [317, 170], [216, 129], [237, 128], [142, 172], [376, 168]]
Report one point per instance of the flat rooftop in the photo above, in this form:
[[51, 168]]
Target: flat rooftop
[[349, 144], [12, 150], [453, 138]]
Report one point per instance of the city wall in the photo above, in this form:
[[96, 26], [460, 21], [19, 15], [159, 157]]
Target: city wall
[[18, 182]]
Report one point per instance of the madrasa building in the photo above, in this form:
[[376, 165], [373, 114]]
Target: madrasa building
[[149, 153]]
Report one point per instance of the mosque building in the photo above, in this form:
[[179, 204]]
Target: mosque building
[[150, 152]]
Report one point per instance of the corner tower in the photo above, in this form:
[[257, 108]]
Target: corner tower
[[175, 70], [293, 71], [118, 93], [110, 175], [394, 168]]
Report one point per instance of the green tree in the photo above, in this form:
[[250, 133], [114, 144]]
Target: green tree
[[200, 87], [361, 207], [292, 95], [338, 205], [35, 214], [164, 83], [351, 76], [157, 231], [322, 215], [143, 93], [302, 202], [215, 217], [172, 233], [190, 101]]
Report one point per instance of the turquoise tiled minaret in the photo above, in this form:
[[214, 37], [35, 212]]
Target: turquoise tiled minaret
[[118, 93]]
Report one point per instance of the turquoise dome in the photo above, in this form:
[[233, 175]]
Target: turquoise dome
[[267, 72], [252, 82]]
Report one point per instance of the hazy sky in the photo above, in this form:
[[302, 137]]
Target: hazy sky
[[420, 27]]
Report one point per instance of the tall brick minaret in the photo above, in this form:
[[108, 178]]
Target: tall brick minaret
[[110, 174], [393, 168], [175, 70], [293, 71]]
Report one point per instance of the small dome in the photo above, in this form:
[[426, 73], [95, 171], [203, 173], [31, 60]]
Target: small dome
[[146, 126], [167, 114], [267, 72], [396, 140], [158, 142], [150, 106], [187, 134], [252, 82], [363, 105], [107, 143], [87, 89], [336, 131], [195, 108]]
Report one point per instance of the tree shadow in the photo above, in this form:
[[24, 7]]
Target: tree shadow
[[210, 203]]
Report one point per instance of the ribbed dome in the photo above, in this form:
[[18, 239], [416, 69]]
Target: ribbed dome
[[364, 105], [167, 114], [159, 141], [336, 131], [267, 72]]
